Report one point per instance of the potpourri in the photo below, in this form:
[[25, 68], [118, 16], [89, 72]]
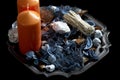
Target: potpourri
[[70, 40]]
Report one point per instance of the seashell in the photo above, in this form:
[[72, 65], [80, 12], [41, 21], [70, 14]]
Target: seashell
[[50, 68]]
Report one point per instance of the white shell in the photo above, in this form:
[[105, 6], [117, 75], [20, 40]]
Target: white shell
[[45, 47], [50, 68], [60, 27], [96, 41], [98, 34]]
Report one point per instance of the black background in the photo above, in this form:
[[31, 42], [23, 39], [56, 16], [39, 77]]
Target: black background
[[13, 69]]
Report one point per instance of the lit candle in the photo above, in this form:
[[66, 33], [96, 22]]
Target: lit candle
[[28, 4], [29, 31]]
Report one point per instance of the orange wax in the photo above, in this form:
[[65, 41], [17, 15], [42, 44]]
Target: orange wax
[[29, 31], [28, 5]]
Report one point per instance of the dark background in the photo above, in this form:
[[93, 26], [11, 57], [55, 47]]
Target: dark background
[[13, 69]]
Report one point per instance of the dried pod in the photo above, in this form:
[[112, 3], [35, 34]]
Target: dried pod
[[76, 21], [46, 15]]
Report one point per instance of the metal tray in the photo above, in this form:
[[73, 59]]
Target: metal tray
[[13, 49]]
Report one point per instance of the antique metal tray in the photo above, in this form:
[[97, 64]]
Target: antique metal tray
[[101, 51]]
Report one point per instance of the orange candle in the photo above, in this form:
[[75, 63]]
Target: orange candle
[[28, 5], [29, 31]]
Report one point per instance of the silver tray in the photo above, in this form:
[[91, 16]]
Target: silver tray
[[105, 50]]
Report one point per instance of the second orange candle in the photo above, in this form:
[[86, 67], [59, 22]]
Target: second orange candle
[[23, 5]]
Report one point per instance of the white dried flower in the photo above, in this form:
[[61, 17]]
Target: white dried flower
[[60, 27], [13, 35]]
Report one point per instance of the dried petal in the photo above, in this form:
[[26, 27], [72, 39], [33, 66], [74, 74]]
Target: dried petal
[[89, 43], [60, 27]]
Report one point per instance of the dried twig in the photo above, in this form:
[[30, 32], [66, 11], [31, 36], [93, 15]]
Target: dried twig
[[76, 21]]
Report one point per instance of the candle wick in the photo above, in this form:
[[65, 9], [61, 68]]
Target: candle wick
[[27, 6]]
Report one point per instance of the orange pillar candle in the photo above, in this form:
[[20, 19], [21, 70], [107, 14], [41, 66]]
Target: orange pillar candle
[[28, 4], [29, 31]]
